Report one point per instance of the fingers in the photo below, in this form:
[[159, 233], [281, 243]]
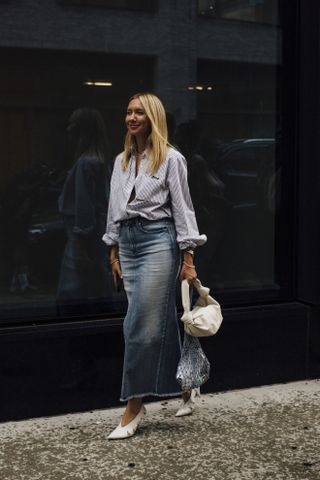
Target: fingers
[[188, 274], [191, 279], [115, 279], [117, 269], [116, 273]]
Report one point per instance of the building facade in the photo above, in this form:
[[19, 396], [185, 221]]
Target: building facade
[[239, 81]]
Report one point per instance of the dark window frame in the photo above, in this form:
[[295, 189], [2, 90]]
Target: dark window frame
[[308, 268]]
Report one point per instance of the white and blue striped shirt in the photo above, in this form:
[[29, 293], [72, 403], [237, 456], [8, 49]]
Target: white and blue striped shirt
[[164, 194]]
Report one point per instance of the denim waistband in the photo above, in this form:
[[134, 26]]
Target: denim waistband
[[144, 221]]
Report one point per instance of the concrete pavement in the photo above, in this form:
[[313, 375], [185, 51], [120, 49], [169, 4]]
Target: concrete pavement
[[263, 433]]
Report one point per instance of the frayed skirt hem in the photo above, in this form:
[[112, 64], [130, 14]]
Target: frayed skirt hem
[[140, 395]]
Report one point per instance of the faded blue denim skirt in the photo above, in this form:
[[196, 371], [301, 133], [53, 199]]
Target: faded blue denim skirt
[[150, 262]]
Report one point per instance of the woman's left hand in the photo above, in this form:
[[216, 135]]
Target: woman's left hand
[[188, 270]]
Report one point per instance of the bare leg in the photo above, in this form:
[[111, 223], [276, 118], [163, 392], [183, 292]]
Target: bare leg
[[132, 409], [186, 395]]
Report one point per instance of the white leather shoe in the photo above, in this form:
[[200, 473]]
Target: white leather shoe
[[186, 408], [130, 429]]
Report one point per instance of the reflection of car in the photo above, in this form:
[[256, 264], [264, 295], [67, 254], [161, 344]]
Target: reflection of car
[[47, 236], [33, 234], [244, 166], [46, 244], [250, 174]]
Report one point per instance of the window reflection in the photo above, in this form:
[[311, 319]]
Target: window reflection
[[223, 102], [21, 197], [238, 136], [52, 259], [261, 11], [82, 203]]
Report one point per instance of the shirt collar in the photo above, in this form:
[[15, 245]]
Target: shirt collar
[[133, 151]]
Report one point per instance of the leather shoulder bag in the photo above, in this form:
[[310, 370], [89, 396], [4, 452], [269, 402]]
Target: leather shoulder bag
[[205, 317]]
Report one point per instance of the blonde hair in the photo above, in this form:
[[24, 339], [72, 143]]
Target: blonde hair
[[157, 141]]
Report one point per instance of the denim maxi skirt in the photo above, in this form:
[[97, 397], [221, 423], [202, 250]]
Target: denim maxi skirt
[[150, 262]]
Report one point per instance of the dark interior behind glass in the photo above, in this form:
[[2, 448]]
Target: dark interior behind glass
[[228, 122]]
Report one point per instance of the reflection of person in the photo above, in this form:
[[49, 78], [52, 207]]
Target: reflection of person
[[150, 217], [84, 275], [82, 203]]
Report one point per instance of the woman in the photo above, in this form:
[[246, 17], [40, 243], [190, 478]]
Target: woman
[[150, 218]]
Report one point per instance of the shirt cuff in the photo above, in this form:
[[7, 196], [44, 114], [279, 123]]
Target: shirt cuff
[[193, 242], [109, 239]]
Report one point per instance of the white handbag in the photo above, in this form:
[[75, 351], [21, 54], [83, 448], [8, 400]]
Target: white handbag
[[205, 318]]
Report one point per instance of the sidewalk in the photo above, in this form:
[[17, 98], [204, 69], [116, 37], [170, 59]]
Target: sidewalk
[[261, 433]]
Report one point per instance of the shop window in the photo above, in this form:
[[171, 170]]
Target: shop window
[[239, 137], [228, 104], [40, 274]]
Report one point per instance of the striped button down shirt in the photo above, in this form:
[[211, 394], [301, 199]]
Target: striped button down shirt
[[164, 194]]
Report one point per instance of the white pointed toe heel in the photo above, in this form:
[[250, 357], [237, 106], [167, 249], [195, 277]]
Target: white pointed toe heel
[[128, 430], [186, 408]]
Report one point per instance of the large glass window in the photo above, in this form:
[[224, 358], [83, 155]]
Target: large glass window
[[222, 86], [51, 106], [238, 138]]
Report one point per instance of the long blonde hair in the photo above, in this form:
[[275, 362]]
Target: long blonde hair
[[157, 141]]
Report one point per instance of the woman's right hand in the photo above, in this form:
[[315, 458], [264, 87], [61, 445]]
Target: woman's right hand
[[188, 270], [115, 266]]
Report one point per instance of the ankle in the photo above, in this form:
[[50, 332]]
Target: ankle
[[186, 395], [134, 405]]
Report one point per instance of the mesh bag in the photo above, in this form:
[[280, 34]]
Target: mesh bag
[[194, 367]]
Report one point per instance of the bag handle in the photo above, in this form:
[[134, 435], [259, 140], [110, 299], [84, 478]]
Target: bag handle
[[185, 296], [185, 293]]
